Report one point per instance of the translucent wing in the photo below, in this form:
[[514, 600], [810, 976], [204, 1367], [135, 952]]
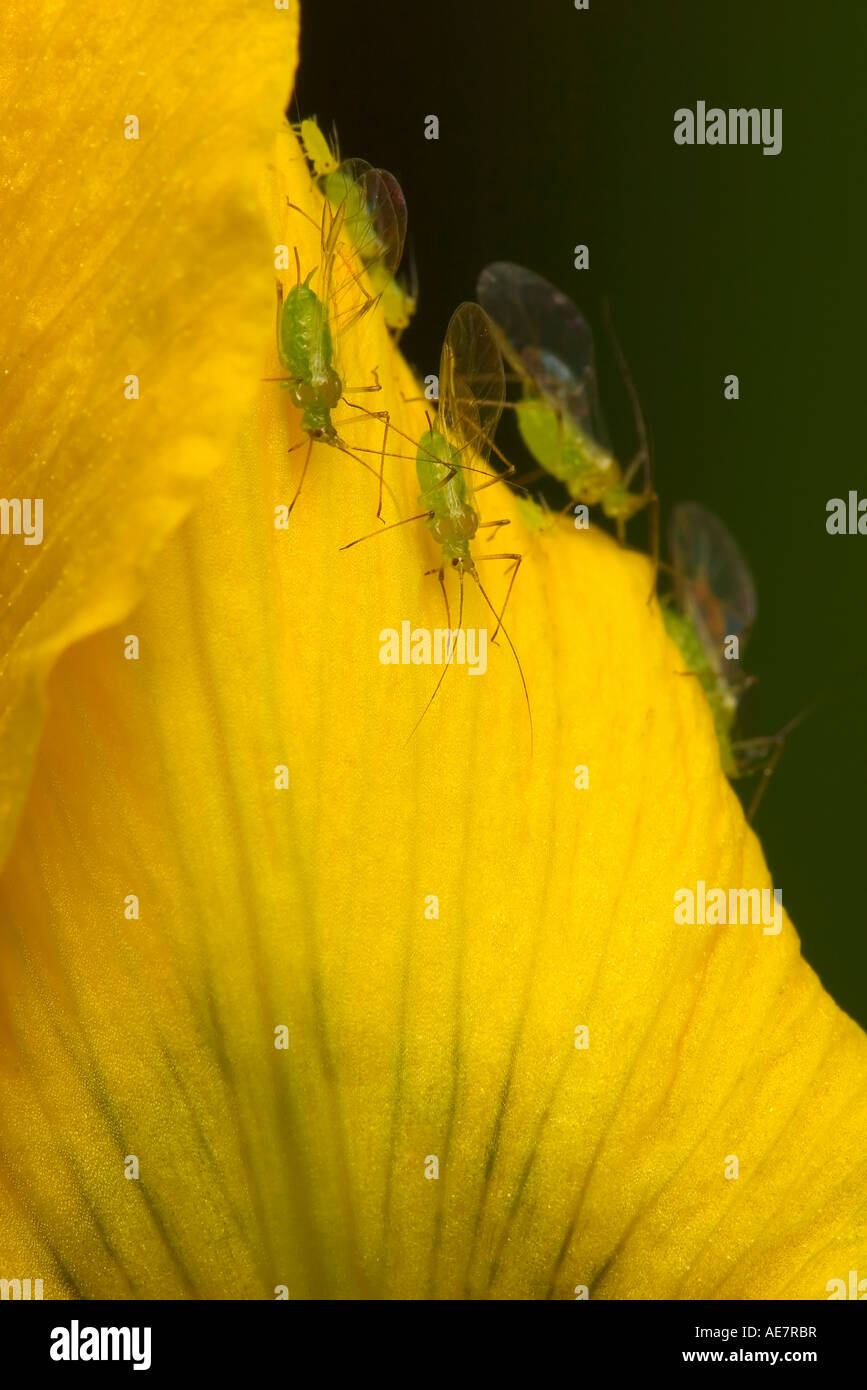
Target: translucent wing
[[369, 215], [714, 586], [363, 230], [472, 386], [374, 211], [389, 222], [547, 339]]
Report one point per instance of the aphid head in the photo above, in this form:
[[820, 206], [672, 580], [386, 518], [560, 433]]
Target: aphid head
[[457, 553], [619, 503], [317, 424], [464, 564]]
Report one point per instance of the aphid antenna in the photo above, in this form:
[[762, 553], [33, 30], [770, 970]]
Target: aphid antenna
[[419, 516], [371, 535], [500, 625], [643, 454], [464, 467], [445, 670], [329, 245], [492, 444], [653, 510], [499, 617], [335, 142], [464, 400], [296, 124], [338, 444], [777, 740], [344, 449], [413, 271]]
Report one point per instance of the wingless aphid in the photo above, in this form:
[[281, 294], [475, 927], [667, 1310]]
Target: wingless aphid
[[471, 395], [310, 320], [549, 345], [343, 183], [716, 607]]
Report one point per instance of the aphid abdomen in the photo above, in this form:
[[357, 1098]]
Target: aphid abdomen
[[305, 350], [454, 518], [564, 451], [304, 342], [722, 702], [316, 148]]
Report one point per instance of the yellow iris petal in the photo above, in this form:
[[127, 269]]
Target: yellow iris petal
[[430, 920], [124, 258]]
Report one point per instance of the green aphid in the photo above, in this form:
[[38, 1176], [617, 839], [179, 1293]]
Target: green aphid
[[536, 515], [471, 393], [452, 452], [550, 346], [458, 442], [306, 351], [715, 601], [723, 702], [345, 183], [311, 321]]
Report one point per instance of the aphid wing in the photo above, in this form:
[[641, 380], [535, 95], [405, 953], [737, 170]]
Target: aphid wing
[[714, 586], [550, 338], [388, 210], [375, 212], [472, 385], [373, 216]]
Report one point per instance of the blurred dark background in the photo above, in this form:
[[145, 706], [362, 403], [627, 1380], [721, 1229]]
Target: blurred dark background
[[556, 128]]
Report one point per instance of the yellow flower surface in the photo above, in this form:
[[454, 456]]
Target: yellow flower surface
[[128, 251], [430, 918]]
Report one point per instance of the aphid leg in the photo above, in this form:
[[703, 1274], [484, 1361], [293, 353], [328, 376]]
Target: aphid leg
[[386, 421], [512, 570], [359, 390], [411, 458], [385, 417], [774, 741], [754, 746], [441, 576], [740, 684], [530, 477], [510, 642], [344, 449], [279, 335], [496, 526], [303, 474]]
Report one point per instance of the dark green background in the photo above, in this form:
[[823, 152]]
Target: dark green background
[[556, 127]]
